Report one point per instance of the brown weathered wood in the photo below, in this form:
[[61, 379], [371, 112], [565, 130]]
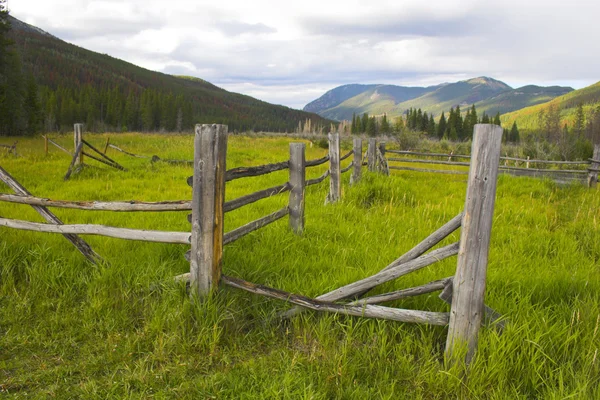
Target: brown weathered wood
[[416, 153], [348, 168], [348, 154], [243, 230], [335, 182], [367, 311], [116, 164], [470, 279], [434, 171], [106, 145], [383, 166], [77, 137], [76, 157], [243, 172], [357, 149], [103, 161], [594, 166], [59, 146], [543, 161], [112, 146], [440, 162], [156, 158], [318, 180], [298, 184], [490, 316], [401, 294], [532, 170], [101, 230], [119, 206], [383, 276], [79, 243], [318, 161], [208, 198], [372, 155], [253, 197]]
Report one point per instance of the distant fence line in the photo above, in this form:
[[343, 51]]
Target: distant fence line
[[207, 237]]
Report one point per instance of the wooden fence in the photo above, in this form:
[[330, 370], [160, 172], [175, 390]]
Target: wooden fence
[[207, 237], [563, 171]]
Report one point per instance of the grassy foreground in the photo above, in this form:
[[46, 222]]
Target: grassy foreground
[[69, 329]]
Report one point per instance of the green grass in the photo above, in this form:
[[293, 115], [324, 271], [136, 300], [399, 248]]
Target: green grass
[[69, 329]]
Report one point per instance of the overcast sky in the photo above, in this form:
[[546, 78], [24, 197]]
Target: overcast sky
[[291, 52]]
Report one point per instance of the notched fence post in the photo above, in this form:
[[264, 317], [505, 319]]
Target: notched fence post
[[298, 183], [77, 136], [208, 197], [335, 185], [357, 149], [469, 282], [372, 155]]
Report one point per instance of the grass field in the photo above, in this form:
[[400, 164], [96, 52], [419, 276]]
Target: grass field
[[69, 329]]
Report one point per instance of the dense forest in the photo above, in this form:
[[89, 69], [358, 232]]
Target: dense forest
[[47, 85]]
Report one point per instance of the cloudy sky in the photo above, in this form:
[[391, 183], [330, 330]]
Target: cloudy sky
[[291, 52]]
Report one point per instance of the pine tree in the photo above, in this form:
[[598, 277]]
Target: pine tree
[[431, 126], [371, 129], [353, 127], [441, 128], [579, 125], [33, 108], [497, 119], [364, 122], [399, 124], [385, 125], [485, 119], [514, 133]]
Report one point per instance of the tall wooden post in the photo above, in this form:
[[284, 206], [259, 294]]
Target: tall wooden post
[[335, 184], [371, 155], [297, 181], [208, 196], [594, 167], [77, 136], [469, 282], [46, 145], [357, 149], [381, 148]]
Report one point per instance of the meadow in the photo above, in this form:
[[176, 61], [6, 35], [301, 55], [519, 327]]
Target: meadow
[[70, 329]]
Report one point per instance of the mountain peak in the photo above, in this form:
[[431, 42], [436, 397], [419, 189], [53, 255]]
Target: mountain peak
[[486, 80], [19, 25]]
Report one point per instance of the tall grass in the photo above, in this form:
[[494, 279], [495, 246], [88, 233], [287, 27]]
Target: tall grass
[[70, 329]]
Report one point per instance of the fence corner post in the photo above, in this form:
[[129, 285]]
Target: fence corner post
[[357, 160], [208, 197], [470, 279], [335, 185], [298, 183], [371, 155], [594, 165], [77, 136]]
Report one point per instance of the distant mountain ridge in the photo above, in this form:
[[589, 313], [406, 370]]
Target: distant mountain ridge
[[489, 95]]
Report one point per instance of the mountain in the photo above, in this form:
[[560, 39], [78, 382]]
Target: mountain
[[528, 117], [488, 94], [335, 96], [79, 85]]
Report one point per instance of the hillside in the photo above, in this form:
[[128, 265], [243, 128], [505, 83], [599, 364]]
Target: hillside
[[528, 118], [487, 94], [107, 93]]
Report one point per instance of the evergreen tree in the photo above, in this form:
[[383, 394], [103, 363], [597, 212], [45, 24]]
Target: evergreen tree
[[485, 119], [353, 126], [33, 108], [385, 125], [579, 125], [497, 119], [431, 126], [371, 129], [399, 124], [441, 128], [364, 123], [514, 133]]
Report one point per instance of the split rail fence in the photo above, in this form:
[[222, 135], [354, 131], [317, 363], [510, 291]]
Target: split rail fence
[[464, 291], [564, 171]]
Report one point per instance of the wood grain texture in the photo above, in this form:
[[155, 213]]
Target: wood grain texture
[[76, 157], [470, 279], [318, 161], [112, 146], [401, 294], [435, 171], [594, 166], [318, 180], [253, 197], [243, 172], [372, 155], [298, 184], [335, 181], [357, 150], [243, 230]]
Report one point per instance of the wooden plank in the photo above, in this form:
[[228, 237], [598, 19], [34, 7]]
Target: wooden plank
[[243, 230], [74, 160], [318, 161], [156, 158], [106, 145], [470, 278], [297, 182], [557, 171], [434, 171], [594, 166], [383, 276], [318, 180], [416, 153], [367, 311], [79, 243], [243, 172], [440, 162], [348, 168], [59, 146], [357, 149], [335, 182], [101, 230], [383, 166], [208, 194], [112, 146], [116, 164], [401, 294], [253, 197], [103, 161], [77, 137], [371, 155], [118, 206], [348, 154]]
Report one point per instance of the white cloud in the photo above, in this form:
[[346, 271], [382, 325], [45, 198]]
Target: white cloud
[[292, 52]]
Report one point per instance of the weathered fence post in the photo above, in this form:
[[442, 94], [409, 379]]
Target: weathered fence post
[[297, 182], [77, 136], [469, 282], [594, 166], [357, 160], [527, 164], [335, 186], [107, 143], [46, 145], [208, 195], [371, 155]]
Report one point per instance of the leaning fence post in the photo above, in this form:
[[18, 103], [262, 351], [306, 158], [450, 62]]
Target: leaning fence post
[[77, 136], [357, 160], [469, 282], [371, 155], [594, 166], [208, 195], [335, 185], [297, 182]]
